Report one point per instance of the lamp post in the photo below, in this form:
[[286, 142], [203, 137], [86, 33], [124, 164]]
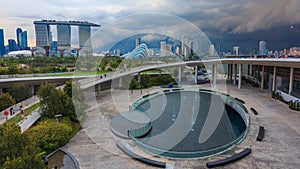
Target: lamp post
[[57, 116]]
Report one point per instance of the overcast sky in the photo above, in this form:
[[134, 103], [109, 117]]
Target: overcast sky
[[225, 22]]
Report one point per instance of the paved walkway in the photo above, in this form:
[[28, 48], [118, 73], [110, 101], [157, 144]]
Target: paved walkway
[[30, 119], [26, 103], [94, 146]]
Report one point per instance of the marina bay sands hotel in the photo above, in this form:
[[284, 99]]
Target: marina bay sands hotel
[[44, 36]]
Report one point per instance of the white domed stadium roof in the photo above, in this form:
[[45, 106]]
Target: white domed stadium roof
[[20, 53]]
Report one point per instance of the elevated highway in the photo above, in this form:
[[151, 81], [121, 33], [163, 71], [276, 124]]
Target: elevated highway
[[256, 68]]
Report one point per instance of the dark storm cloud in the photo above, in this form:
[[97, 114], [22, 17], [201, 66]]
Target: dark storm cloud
[[217, 18]]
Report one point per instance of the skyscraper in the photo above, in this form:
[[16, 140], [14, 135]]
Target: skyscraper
[[53, 48], [184, 43], [85, 42], [137, 42], [236, 50], [211, 50], [262, 47], [169, 50], [18, 31], [163, 48], [63, 36], [12, 45], [42, 35], [177, 50], [191, 43], [2, 47], [23, 44]]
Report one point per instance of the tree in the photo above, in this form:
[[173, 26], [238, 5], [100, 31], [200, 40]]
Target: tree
[[102, 66], [19, 93], [68, 88], [51, 135], [74, 92], [145, 81], [12, 70], [56, 101], [133, 84], [18, 150], [6, 101], [114, 64]]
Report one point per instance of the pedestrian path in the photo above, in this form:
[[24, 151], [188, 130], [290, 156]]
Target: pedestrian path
[[26, 104], [16, 108], [29, 120]]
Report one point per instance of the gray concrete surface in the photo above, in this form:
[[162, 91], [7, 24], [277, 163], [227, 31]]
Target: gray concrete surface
[[94, 146]]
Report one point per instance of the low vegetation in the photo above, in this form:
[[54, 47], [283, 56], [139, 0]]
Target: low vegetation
[[148, 81], [25, 150]]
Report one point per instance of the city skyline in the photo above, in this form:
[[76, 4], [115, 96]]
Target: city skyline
[[228, 24]]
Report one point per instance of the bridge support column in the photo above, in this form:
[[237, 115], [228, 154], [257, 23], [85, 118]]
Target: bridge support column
[[240, 76], [248, 69], [235, 72], [291, 80], [262, 76], [214, 74], [179, 74], [32, 89], [274, 78], [139, 77], [230, 72], [98, 89], [196, 74]]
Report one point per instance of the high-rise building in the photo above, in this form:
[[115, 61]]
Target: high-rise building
[[262, 47], [42, 35], [2, 47], [211, 50], [236, 50], [163, 48], [53, 48], [184, 43], [151, 52], [190, 47], [168, 50], [137, 42], [177, 51], [18, 32], [23, 44], [118, 52], [63, 36], [85, 42], [50, 37], [12, 45]]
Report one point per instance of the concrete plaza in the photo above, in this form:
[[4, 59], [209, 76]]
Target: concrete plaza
[[95, 145]]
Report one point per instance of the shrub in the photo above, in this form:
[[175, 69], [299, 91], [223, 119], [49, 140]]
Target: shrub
[[294, 105], [291, 104], [134, 84], [51, 135], [277, 95], [20, 93], [6, 100]]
